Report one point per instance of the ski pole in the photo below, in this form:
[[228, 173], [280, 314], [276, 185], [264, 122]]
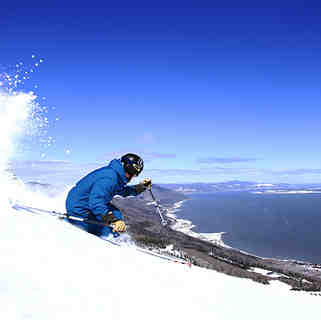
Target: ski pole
[[163, 221], [84, 220], [61, 215]]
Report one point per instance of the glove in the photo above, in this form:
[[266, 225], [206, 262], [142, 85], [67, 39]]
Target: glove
[[109, 218], [119, 226], [147, 182]]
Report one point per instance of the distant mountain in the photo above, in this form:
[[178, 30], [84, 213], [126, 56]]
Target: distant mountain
[[236, 185], [171, 193], [164, 195]]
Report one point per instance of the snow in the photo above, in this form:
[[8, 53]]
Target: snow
[[267, 272], [286, 191], [49, 269], [52, 270]]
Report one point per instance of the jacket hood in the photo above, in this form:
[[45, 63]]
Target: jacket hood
[[117, 166]]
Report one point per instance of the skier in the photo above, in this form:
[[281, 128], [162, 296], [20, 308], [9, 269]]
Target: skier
[[90, 197]]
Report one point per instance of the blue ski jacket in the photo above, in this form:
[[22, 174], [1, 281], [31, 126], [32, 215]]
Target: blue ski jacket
[[93, 193]]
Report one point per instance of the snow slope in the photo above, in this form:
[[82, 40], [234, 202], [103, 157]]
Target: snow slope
[[52, 270]]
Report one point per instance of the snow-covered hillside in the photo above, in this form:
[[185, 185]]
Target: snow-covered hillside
[[51, 270]]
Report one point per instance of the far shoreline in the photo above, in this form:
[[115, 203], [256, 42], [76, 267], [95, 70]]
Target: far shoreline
[[185, 226]]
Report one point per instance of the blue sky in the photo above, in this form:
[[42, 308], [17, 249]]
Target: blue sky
[[203, 92]]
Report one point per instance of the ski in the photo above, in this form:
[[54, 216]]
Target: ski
[[112, 241]]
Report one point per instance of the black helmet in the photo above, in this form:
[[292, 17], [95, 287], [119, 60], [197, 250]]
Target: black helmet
[[133, 164]]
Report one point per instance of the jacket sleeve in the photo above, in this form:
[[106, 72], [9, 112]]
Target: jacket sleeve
[[128, 191], [100, 196]]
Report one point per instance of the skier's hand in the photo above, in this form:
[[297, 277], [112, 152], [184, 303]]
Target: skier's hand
[[119, 226], [147, 182]]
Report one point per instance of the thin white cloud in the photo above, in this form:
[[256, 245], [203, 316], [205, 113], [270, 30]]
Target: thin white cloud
[[300, 172], [227, 160], [51, 172]]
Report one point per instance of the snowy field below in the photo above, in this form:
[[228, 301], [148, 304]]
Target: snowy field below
[[52, 270]]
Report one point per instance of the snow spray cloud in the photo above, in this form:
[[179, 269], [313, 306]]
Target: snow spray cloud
[[20, 116]]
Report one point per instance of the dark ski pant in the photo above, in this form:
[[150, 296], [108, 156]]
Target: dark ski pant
[[92, 228]]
